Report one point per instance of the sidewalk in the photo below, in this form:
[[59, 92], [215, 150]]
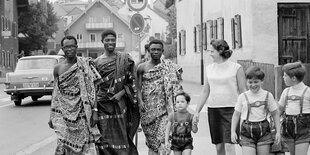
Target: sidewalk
[[2, 80]]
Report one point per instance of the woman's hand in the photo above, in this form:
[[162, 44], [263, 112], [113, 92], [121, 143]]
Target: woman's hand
[[234, 137], [196, 117]]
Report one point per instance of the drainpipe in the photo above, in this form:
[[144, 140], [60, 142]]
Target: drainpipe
[[201, 42]]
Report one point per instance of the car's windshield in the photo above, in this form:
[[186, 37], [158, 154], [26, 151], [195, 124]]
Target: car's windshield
[[42, 63]]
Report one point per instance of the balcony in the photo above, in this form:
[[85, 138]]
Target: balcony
[[119, 45], [6, 34], [99, 26]]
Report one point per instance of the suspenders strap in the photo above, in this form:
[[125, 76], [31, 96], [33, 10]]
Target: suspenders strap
[[249, 107], [302, 99], [266, 101]]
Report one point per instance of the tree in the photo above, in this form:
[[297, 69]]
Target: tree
[[172, 24], [36, 27], [171, 47]]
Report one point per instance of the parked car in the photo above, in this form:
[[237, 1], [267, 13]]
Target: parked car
[[33, 76]]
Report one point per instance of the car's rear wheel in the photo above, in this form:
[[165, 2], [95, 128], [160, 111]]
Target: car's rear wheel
[[35, 98], [18, 102]]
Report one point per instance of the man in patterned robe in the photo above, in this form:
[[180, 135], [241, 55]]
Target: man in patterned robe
[[117, 104], [73, 99], [158, 81]]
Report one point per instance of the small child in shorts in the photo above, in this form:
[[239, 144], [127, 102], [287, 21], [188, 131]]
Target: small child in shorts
[[253, 107], [181, 124], [294, 103]]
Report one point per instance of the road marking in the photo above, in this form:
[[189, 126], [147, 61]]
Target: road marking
[[34, 147]]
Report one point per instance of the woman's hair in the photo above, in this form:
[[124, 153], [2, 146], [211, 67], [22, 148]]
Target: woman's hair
[[186, 96], [254, 72], [295, 69], [223, 48]]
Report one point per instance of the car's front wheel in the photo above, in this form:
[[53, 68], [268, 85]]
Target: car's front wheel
[[18, 102]]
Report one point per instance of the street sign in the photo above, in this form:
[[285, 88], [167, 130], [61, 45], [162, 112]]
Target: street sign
[[137, 23], [137, 5]]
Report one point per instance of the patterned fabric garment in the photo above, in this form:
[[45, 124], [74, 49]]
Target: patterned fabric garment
[[72, 101], [118, 119], [159, 85]]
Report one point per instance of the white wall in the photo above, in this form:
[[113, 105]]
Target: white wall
[[259, 30]]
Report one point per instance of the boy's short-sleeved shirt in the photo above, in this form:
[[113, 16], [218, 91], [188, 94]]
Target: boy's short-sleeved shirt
[[257, 114], [293, 107]]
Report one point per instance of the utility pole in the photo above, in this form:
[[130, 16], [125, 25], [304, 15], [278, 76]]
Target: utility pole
[[201, 42]]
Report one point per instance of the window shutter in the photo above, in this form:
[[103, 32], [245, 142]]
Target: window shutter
[[220, 24], [214, 29], [183, 41], [180, 43], [198, 28], [233, 42], [209, 31], [238, 31], [195, 47], [204, 36]]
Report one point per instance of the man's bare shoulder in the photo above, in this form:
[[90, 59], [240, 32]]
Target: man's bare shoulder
[[142, 66]]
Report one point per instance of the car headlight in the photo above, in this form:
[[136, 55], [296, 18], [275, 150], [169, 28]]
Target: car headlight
[[44, 78]]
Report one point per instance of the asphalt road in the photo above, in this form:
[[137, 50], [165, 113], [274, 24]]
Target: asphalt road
[[24, 129]]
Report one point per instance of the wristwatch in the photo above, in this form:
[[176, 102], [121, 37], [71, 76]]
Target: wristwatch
[[95, 109]]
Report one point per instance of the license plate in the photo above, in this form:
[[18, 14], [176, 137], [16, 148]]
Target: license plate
[[30, 85]]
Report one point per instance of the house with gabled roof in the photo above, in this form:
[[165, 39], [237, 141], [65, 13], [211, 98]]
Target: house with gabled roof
[[96, 18]]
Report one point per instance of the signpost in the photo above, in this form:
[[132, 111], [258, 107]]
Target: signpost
[[137, 23], [137, 5]]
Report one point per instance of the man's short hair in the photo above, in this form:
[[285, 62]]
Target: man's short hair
[[254, 72], [68, 38], [295, 69], [156, 41], [106, 33]]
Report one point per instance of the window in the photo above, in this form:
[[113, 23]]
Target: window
[[0, 56], [93, 55], [195, 39], [120, 37], [157, 35], [3, 23], [4, 58], [182, 42], [9, 59], [92, 19], [106, 19], [79, 38], [236, 34], [92, 37]]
